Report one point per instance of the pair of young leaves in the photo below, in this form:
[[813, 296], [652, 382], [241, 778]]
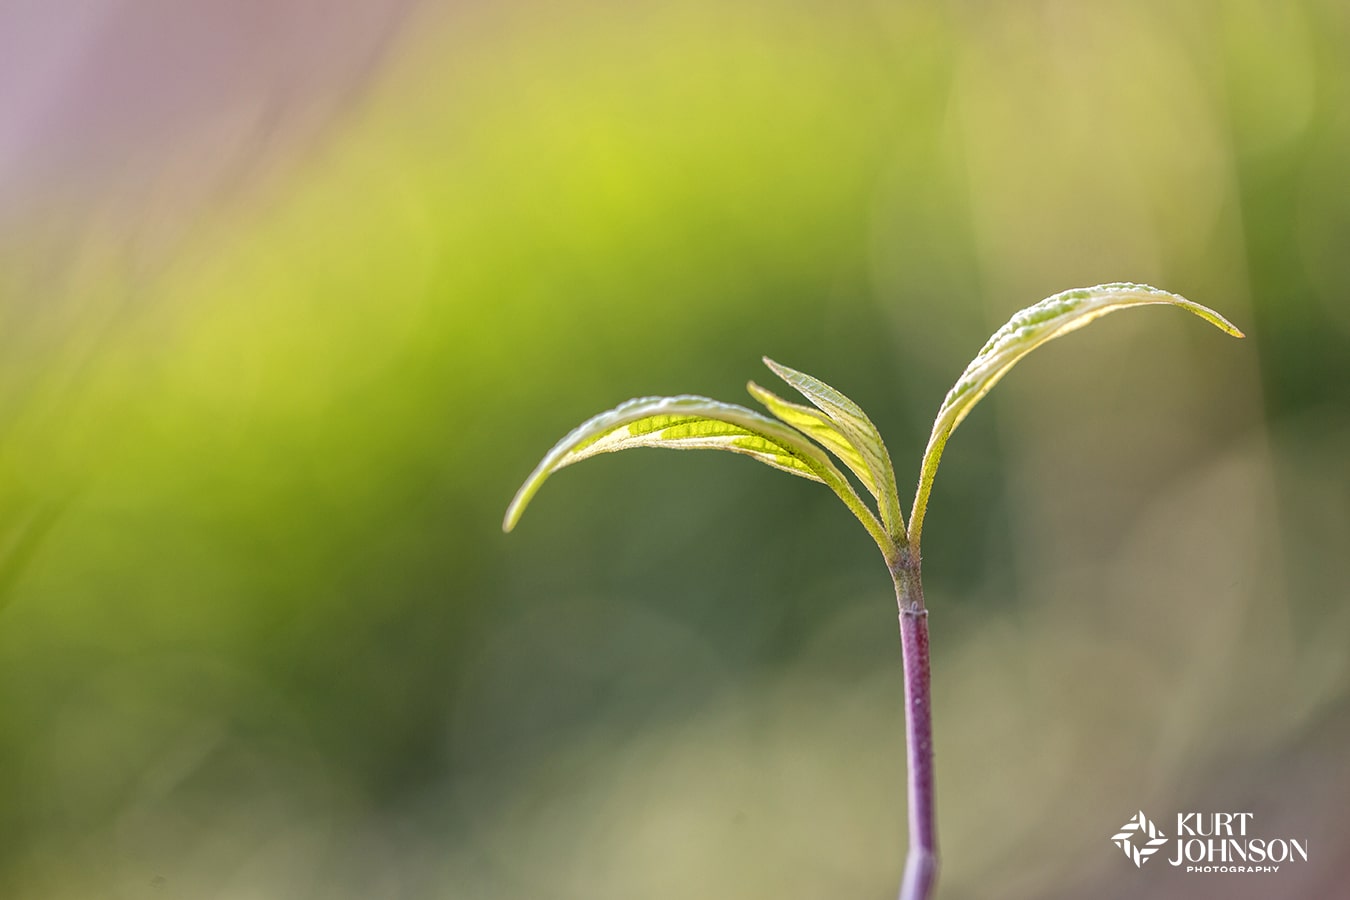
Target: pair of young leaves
[[797, 440]]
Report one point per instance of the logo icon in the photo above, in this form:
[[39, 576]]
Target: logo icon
[[1124, 839]]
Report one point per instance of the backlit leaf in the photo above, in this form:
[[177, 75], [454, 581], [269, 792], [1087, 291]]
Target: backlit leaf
[[696, 423], [1028, 329], [817, 426], [852, 423]]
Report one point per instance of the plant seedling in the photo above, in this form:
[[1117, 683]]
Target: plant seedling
[[797, 439]]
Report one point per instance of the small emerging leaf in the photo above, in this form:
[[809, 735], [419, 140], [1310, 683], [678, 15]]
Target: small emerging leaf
[[695, 423], [859, 432], [1028, 329], [818, 427]]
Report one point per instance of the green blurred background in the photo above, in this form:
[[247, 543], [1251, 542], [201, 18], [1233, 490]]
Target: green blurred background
[[292, 297]]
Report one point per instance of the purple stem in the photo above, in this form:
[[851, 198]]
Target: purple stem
[[921, 867]]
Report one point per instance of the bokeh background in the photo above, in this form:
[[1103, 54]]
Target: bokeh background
[[294, 294]]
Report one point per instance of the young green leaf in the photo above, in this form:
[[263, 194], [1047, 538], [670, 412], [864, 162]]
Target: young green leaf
[[696, 423], [818, 427], [1028, 329], [852, 423]]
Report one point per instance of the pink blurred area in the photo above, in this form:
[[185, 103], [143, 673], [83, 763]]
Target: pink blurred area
[[153, 107]]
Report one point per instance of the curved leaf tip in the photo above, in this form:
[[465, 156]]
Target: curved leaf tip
[[689, 422], [1029, 328], [693, 423], [681, 423]]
